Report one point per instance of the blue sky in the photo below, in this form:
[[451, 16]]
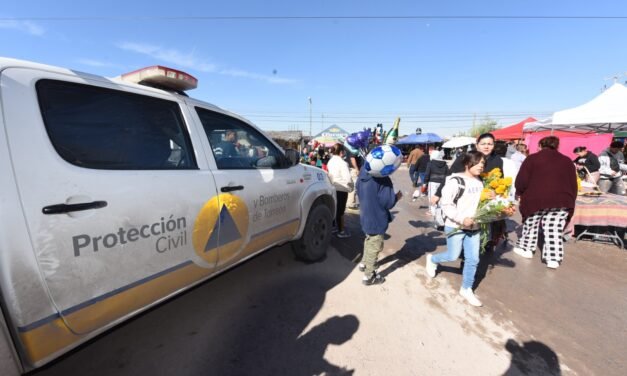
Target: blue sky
[[437, 74]]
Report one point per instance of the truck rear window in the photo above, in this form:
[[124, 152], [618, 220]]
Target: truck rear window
[[101, 128]]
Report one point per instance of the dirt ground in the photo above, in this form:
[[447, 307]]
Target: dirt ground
[[277, 316]]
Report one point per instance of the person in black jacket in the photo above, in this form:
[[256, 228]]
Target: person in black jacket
[[421, 168], [436, 173], [588, 160], [485, 144]]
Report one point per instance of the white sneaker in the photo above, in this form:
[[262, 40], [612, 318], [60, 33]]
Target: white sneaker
[[552, 264], [470, 297], [521, 252], [431, 266]]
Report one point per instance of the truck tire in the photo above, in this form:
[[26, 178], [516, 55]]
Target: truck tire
[[312, 245]]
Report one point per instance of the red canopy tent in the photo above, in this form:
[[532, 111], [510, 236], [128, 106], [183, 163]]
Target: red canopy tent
[[512, 132]]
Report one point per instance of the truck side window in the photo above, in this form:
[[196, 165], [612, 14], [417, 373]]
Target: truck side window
[[107, 129], [236, 145]]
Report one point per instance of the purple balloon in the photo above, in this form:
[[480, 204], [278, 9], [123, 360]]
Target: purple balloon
[[362, 136], [353, 140]]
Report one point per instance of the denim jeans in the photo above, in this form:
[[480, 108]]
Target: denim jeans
[[413, 174], [470, 241], [421, 177]]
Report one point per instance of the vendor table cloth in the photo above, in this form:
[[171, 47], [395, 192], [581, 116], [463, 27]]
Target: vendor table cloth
[[605, 210]]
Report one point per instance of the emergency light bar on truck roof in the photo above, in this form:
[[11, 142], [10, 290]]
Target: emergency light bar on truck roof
[[162, 78]]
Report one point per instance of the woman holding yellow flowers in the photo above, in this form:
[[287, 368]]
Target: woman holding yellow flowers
[[547, 187], [462, 230], [485, 145]]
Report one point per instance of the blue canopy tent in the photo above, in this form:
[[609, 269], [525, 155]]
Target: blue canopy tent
[[425, 138]]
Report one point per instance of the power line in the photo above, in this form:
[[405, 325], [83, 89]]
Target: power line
[[403, 116], [375, 121], [396, 112], [311, 18], [463, 122]]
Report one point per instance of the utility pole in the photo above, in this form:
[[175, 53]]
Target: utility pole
[[310, 134]]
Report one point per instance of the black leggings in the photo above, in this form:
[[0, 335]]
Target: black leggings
[[342, 197]]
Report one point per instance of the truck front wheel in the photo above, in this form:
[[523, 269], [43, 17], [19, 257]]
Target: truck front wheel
[[313, 244]]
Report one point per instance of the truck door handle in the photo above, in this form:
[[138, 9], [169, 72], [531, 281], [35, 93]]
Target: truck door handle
[[66, 208], [231, 188]]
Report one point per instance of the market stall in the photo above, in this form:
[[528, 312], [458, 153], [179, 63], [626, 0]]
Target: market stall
[[329, 136], [592, 124]]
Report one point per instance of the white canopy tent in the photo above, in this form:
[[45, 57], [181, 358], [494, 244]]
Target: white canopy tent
[[604, 114], [456, 142]]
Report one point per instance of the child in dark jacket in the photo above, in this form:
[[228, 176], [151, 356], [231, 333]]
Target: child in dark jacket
[[376, 197]]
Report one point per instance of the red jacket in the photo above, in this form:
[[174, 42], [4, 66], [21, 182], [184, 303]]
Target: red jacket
[[547, 179]]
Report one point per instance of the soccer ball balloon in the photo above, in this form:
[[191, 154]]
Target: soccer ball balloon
[[383, 160]]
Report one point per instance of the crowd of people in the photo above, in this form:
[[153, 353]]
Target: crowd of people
[[342, 166], [545, 187], [604, 171]]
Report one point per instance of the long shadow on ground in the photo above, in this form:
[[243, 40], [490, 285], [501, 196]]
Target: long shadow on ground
[[532, 358], [412, 250], [253, 320]]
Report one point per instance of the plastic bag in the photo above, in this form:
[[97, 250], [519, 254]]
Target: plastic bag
[[438, 218]]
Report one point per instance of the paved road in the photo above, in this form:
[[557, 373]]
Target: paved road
[[277, 316]]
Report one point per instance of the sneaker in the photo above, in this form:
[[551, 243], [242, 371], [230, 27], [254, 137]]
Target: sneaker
[[521, 252], [375, 279], [552, 264], [343, 234], [431, 266], [489, 247], [470, 297], [334, 230], [362, 267]]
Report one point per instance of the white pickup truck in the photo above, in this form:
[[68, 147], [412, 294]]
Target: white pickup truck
[[118, 193]]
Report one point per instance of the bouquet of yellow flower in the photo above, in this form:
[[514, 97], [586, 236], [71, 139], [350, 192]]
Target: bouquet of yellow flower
[[493, 204]]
